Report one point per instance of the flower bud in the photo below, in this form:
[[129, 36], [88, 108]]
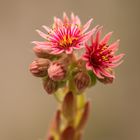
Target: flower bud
[[56, 71], [81, 80], [39, 67], [40, 52], [50, 86]]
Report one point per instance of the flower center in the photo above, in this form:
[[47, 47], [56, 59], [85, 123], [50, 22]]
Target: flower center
[[99, 56], [67, 41]]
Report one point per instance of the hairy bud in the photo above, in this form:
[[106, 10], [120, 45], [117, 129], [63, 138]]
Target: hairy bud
[[39, 67], [57, 71], [81, 80], [42, 52], [50, 86]]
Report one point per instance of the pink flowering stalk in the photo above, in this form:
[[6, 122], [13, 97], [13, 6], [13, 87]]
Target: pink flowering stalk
[[67, 76]]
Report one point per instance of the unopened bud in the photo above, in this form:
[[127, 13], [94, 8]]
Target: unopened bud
[[56, 71], [69, 106], [39, 67], [68, 133], [81, 80], [41, 50], [50, 86]]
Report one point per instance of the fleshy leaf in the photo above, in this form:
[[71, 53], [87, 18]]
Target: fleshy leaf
[[92, 77]]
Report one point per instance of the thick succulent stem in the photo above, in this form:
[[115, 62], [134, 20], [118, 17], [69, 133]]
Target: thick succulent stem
[[70, 118]]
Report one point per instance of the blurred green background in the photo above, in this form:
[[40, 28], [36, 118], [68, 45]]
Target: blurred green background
[[25, 108]]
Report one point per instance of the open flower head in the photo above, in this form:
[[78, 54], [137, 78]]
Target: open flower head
[[100, 57], [65, 35]]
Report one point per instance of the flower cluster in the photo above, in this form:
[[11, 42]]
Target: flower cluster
[[67, 75], [58, 64]]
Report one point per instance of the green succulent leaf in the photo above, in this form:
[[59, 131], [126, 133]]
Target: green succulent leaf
[[92, 77]]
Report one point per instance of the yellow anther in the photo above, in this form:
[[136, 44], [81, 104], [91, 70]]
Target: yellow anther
[[105, 58], [67, 40]]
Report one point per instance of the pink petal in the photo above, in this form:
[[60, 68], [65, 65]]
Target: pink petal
[[86, 26], [43, 44], [57, 51], [115, 65], [105, 73], [49, 30], [57, 22], [89, 66], [117, 58], [42, 34], [72, 16], [65, 18], [39, 43], [73, 30], [77, 21], [86, 36], [114, 46], [69, 50], [85, 57], [97, 38], [97, 73], [106, 38]]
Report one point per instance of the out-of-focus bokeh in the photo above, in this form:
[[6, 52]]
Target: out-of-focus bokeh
[[25, 108]]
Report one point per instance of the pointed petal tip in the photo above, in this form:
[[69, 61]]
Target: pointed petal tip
[[110, 33], [37, 30], [64, 13], [44, 26], [72, 14], [91, 20], [101, 27], [118, 41], [97, 27], [33, 42]]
